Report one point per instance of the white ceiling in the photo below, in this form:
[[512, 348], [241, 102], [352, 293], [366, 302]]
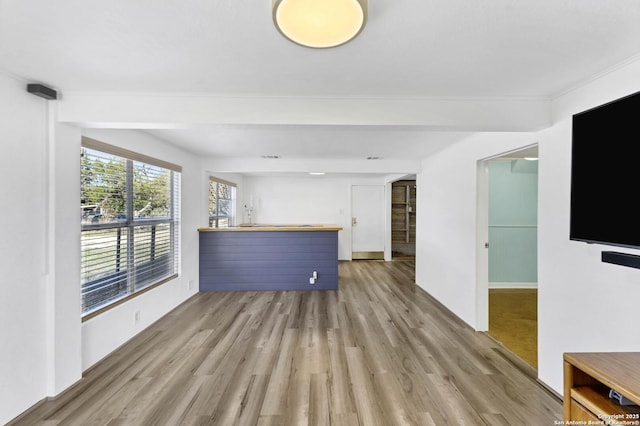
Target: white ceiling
[[454, 49], [310, 141]]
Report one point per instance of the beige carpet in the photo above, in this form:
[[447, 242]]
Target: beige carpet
[[513, 320]]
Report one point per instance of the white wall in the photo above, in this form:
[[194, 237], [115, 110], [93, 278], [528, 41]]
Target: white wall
[[45, 345], [64, 343], [583, 304], [446, 219], [106, 332], [300, 200], [23, 164]]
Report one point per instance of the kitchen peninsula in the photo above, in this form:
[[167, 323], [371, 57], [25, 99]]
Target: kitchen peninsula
[[253, 257]]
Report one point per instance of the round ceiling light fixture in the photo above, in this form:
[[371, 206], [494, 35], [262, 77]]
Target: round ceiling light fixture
[[320, 23]]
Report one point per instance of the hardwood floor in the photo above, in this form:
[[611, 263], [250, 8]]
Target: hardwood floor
[[513, 321], [379, 351]]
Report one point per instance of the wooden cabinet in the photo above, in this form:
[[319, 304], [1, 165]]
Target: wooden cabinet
[[588, 377]]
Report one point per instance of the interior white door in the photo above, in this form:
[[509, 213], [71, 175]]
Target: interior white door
[[367, 221]]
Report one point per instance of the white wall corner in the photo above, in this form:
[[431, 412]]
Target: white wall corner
[[64, 342]]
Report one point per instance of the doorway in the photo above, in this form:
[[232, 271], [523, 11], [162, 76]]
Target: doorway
[[508, 289], [403, 219]]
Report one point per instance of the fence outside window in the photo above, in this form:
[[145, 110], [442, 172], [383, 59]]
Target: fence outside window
[[130, 217]]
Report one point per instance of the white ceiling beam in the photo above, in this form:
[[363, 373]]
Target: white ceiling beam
[[304, 166], [149, 111]]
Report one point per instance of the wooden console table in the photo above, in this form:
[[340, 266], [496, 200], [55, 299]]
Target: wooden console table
[[588, 377]]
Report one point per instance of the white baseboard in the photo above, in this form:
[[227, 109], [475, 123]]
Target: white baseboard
[[513, 285]]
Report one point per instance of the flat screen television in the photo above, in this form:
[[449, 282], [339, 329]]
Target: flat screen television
[[605, 174]]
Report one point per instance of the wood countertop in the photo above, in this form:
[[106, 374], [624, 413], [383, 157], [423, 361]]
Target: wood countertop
[[273, 227], [615, 370]]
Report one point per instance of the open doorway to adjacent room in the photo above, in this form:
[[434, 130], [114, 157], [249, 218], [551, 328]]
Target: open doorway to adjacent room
[[511, 251], [403, 219]]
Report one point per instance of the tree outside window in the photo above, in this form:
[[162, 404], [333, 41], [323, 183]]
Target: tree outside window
[[130, 212]]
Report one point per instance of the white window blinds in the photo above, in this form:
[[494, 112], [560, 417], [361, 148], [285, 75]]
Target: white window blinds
[[130, 216]]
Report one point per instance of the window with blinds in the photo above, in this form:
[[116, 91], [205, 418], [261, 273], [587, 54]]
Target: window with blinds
[[222, 197], [130, 217]]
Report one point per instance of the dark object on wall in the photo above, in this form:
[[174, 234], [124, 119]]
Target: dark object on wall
[[624, 259], [605, 174], [42, 91]]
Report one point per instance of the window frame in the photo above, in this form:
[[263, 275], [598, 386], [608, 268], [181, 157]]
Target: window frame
[[130, 225], [214, 219]]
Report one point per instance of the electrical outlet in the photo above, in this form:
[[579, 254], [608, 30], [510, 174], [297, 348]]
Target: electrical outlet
[[136, 317], [312, 280], [190, 285]]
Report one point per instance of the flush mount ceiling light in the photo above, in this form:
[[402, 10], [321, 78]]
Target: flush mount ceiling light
[[320, 23]]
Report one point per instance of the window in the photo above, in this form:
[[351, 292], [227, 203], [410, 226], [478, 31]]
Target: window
[[130, 217], [222, 196]]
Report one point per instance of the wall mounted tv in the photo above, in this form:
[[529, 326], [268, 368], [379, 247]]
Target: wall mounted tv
[[605, 174]]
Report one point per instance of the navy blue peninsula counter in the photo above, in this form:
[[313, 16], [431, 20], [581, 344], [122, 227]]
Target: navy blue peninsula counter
[[269, 257]]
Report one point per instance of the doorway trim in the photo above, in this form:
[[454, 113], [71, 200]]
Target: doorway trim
[[482, 235], [482, 248]]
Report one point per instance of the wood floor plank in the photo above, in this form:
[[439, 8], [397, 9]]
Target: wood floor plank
[[319, 412], [378, 351], [276, 396], [368, 406], [340, 388]]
